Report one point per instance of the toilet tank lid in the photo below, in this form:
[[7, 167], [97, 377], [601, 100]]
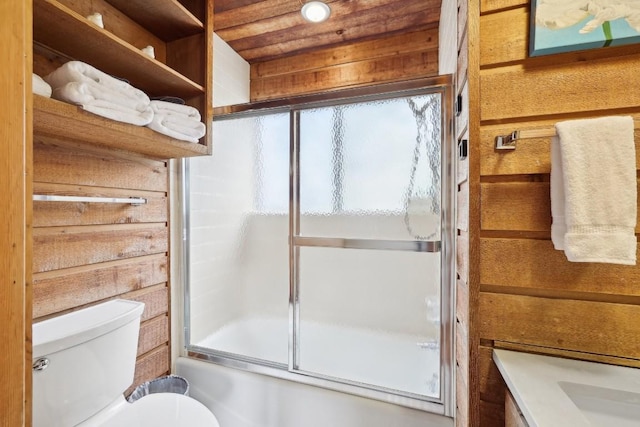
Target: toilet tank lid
[[68, 330]]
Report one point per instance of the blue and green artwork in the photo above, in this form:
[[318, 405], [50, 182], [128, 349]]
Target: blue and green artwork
[[569, 25]]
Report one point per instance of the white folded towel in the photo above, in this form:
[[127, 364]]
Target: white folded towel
[[98, 92], [102, 103], [593, 190], [40, 87], [164, 107], [177, 121]]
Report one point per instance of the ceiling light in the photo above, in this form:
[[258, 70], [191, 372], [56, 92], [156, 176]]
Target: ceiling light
[[315, 11]]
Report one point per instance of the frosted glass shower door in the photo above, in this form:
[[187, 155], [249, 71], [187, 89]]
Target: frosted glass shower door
[[238, 240], [367, 257]]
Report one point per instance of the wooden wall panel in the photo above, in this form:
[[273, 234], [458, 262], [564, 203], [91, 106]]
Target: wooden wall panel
[[392, 59], [86, 253], [528, 296], [15, 186]]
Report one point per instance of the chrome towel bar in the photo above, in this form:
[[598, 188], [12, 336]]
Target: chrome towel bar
[[87, 199], [508, 142]]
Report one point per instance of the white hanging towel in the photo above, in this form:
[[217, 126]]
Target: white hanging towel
[[593, 190]]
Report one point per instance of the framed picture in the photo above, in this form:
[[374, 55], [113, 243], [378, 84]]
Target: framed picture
[[569, 25]]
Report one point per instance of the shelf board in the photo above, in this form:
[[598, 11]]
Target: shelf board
[[65, 31], [59, 122], [167, 19]]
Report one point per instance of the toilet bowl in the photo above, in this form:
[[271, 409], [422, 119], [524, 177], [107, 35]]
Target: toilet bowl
[[85, 360]]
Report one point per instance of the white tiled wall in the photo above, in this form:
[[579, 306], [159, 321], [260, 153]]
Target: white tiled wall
[[231, 75]]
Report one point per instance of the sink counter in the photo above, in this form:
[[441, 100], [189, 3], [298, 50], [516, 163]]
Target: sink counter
[[552, 391]]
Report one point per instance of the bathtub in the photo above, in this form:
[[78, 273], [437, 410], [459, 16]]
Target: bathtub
[[240, 398]]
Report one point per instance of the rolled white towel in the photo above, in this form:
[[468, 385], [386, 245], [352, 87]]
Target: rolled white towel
[[164, 107], [101, 102], [80, 72], [40, 87], [177, 127]]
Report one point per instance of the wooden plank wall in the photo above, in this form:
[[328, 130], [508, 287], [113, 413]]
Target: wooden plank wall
[[15, 240], [463, 357], [86, 253], [391, 59], [530, 297]]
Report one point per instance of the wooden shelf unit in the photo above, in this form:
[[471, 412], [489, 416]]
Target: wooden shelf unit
[[62, 123], [183, 68], [153, 15]]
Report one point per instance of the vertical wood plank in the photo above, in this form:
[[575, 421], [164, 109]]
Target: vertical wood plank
[[15, 186]]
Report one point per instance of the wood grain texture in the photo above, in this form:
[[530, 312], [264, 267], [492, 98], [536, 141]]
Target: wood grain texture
[[57, 26], [260, 31], [571, 88], [121, 25], [153, 333], [523, 206], [151, 365], [532, 155], [513, 417], [588, 326], [352, 52], [384, 70], [495, 5], [155, 15], [60, 123], [535, 264], [155, 299], [61, 290], [492, 386], [56, 248], [15, 242], [54, 164]]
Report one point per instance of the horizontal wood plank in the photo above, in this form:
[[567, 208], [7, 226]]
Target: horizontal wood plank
[[385, 70], [153, 333], [395, 45], [61, 290], [155, 299], [532, 155], [587, 326], [535, 264], [66, 247], [150, 366], [47, 214], [524, 206], [504, 36], [568, 88], [54, 164]]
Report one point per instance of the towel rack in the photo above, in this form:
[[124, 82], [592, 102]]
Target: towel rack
[[87, 199], [508, 142]]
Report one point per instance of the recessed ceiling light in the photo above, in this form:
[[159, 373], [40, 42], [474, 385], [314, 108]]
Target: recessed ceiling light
[[315, 11]]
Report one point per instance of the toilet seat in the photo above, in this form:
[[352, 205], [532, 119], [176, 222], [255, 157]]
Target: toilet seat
[[162, 410]]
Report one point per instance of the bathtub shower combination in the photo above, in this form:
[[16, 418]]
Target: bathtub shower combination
[[319, 241]]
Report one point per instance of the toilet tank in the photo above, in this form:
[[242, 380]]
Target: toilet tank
[[83, 361]]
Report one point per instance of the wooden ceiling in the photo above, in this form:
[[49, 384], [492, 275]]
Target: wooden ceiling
[[260, 30]]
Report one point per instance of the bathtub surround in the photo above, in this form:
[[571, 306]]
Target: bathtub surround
[[594, 191], [245, 399]]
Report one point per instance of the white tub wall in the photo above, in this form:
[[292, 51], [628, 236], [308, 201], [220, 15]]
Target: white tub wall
[[242, 399], [215, 257], [396, 307], [231, 75]]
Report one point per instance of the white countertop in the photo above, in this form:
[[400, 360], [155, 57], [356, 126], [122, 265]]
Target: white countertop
[[540, 386]]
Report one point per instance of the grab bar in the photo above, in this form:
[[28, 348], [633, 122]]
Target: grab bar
[[87, 199]]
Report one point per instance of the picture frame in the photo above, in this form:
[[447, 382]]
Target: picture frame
[[571, 25]]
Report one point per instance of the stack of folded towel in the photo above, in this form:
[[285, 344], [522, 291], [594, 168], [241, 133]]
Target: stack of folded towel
[[80, 83], [177, 121], [40, 87]]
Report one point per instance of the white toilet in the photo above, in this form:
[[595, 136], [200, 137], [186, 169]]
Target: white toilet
[[85, 360]]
